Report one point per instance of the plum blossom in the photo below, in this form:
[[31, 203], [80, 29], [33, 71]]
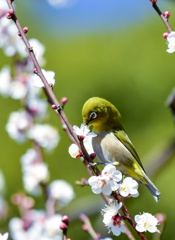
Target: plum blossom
[[106, 182], [34, 171], [4, 236], [45, 135], [61, 191], [146, 222], [49, 75], [100, 184], [51, 225], [83, 131], [75, 152], [112, 173], [112, 219], [171, 42], [35, 225], [18, 124], [129, 187], [3, 8], [5, 81], [37, 106]]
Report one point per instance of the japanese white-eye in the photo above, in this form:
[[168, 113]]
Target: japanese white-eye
[[112, 145]]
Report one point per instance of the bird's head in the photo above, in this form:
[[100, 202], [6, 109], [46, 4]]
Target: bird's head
[[100, 113]]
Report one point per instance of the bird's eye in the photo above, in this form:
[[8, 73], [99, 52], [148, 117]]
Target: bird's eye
[[93, 115]]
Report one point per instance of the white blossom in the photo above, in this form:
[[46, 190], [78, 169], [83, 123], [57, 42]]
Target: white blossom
[[146, 222], [37, 106], [100, 184], [33, 175], [51, 225], [5, 81], [112, 219], [29, 158], [74, 151], [3, 7], [83, 131], [112, 174], [45, 135], [18, 124], [35, 225], [129, 187], [61, 191], [4, 236], [171, 42], [49, 75]]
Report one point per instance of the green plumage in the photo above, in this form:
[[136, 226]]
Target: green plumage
[[112, 143]]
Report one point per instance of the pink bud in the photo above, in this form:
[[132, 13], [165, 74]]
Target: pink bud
[[16, 199], [165, 35], [166, 14], [8, 16], [11, 11], [65, 219], [64, 100], [153, 1], [68, 239], [35, 70], [51, 85], [63, 226], [93, 155], [19, 34], [98, 235], [160, 217], [25, 29], [85, 227], [27, 203], [54, 106]]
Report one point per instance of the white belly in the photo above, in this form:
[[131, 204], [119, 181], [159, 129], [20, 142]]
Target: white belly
[[109, 149]]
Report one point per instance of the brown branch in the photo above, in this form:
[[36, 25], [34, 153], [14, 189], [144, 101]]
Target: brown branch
[[65, 122], [162, 17]]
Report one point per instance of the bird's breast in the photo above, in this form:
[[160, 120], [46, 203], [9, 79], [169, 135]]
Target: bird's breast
[[109, 149]]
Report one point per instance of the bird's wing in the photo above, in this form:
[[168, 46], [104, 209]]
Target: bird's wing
[[124, 139]]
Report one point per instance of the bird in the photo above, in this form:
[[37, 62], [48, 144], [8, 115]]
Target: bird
[[112, 144]]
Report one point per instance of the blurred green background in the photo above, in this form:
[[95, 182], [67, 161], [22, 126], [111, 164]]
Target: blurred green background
[[128, 66]]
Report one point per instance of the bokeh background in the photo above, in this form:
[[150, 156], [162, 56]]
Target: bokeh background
[[111, 49]]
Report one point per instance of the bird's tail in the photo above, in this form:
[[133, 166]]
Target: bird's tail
[[152, 188]]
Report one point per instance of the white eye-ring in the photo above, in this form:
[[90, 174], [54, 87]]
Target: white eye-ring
[[93, 115]]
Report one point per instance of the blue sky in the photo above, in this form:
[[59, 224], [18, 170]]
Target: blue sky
[[93, 15]]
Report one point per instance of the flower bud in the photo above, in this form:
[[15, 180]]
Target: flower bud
[[85, 227], [35, 70], [93, 155], [25, 29], [64, 100], [19, 34], [98, 235], [63, 226], [166, 14], [65, 219], [51, 85], [11, 11], [165, 35], [153, 1], [160, 217], [8, 15], [54, 106]]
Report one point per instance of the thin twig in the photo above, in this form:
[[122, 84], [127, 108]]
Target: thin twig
[[156, 8], [65, 122]]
